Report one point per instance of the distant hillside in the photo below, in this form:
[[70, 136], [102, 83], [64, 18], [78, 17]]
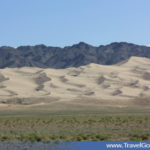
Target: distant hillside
[[72, 56]]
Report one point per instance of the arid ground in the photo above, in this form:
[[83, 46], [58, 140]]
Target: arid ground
[[93, 102]]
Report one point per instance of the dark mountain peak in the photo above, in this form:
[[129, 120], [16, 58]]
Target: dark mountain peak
[[117, 46], [40, 46], [24, 47], [81, 45], [113, 43], [6, 48], [119, 43], [28, 47]]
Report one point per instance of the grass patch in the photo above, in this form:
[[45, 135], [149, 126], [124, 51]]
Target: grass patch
[[75, 128]]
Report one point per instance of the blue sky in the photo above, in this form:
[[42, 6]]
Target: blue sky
[[66, 22]]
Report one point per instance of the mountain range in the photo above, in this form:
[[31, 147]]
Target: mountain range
[[71, 56]]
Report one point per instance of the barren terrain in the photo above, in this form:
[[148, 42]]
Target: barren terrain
[[122, 85]]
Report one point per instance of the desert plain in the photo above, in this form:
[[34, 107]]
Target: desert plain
[[92, 102]]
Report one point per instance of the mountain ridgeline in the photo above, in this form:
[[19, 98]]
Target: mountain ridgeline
[[71, 56]]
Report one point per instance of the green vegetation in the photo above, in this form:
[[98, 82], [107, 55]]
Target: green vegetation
[[75, 127]]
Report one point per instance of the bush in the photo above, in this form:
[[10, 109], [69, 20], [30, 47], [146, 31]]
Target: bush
[[101, 137], [4, 138], [136, 137], [34, 137], [79, 138]]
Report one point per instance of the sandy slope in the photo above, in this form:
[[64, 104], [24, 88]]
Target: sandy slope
[[91, 84]]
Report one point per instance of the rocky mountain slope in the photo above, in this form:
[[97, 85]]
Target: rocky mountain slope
[[72, 56]]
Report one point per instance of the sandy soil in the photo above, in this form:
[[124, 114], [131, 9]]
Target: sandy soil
[[119, 84]]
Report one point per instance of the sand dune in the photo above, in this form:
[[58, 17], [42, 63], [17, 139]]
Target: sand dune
[[120, 83]]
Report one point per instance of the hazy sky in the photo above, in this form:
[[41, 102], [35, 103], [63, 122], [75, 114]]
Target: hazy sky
[[65, 22]]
